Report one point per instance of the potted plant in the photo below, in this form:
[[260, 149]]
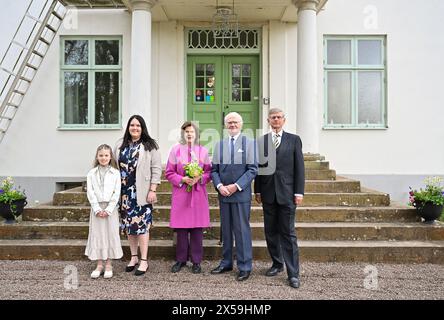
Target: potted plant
[[429, 202], [12, 200]]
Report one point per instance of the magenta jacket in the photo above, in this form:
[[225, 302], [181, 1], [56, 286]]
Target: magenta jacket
[[188, 209]]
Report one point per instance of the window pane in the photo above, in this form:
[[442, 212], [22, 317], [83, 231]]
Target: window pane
[[369, 52], [235, 82], [76, 97], [76, 52], [199, 96], [235, 96], [199, 69], [339, 98], [236, 70], [210, 82], [209, 95], [339, 52], [369, 97], [246, 69], [246, 82], [246, 95], [107, 52], [107, 98], [200, 82], [210, 69]]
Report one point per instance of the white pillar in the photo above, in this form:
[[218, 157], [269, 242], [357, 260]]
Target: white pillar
[[140, 81], [307, 119]]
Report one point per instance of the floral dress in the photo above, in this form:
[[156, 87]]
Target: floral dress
[[135, 220]]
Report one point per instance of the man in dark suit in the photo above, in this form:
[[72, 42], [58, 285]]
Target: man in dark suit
[[233, 170], [280, 187]]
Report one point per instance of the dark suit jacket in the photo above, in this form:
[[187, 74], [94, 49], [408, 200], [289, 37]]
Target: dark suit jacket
[[241, 172], [282, 171]]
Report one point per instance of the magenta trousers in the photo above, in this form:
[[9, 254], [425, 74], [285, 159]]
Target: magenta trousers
[[189, 244]]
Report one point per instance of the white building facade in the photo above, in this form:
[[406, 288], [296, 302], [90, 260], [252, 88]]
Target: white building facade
[[359, 82]]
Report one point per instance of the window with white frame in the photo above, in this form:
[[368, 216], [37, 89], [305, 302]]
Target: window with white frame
[[91, 82], [354, 82]]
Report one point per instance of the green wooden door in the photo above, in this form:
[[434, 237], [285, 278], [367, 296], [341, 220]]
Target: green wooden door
[[241, 90], [217, 85]]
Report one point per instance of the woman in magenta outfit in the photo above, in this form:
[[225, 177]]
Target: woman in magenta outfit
[[190, 212]]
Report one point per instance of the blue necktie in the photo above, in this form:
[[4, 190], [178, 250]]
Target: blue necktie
[[232, 150]]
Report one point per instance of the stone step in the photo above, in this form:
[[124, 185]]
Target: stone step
[[325, 186], [391, 213], [335, 231], [310, 251], [311, 199], [310, 174], [358, 199], [313, 157]]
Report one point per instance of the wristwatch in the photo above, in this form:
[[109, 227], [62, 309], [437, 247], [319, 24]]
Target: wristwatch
[[153, 191]]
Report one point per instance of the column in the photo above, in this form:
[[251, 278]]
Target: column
[[307, 119], [140, 80]]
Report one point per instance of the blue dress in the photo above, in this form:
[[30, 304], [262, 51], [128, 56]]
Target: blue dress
[[135, 220]]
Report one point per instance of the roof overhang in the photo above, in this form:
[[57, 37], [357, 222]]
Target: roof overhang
[[203, 10]]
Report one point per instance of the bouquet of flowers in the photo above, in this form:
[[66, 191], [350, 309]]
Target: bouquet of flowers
[[193, 170]]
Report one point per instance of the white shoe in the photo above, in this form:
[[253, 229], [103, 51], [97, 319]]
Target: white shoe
[[96, 273], [108, 274]]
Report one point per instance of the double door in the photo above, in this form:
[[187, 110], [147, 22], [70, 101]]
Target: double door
[[218, 85]]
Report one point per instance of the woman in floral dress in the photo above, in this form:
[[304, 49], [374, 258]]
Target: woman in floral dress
[[140, 170]]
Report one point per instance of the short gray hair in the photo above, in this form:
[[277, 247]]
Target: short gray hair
[[276, 110], [233, 114]]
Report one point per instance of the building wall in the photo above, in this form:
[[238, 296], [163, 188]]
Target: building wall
[[40, 155], [34, 151], [412, 147], [414, 140]]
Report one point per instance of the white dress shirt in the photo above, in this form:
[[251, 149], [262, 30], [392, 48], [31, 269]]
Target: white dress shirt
[[234, 142]]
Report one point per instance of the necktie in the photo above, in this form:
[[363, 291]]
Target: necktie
[[232, 150], [276, 141]]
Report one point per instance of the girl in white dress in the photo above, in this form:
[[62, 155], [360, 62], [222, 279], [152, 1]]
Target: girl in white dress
[[103, 191]]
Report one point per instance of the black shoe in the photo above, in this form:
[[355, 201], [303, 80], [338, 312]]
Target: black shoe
[[140, 272], [294, 282], [177, 266], [220, 269], [131, 268], [196, 268], [243, 275], [273, 271]]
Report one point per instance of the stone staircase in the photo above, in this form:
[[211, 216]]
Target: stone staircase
[[339, 221]]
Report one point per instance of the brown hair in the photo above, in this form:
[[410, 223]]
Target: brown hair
[[112, 161], [182, 132]]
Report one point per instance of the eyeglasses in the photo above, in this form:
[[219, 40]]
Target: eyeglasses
[[276, 117], [232, 122]]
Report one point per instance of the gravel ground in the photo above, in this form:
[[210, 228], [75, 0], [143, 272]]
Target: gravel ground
[[57, 279]]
